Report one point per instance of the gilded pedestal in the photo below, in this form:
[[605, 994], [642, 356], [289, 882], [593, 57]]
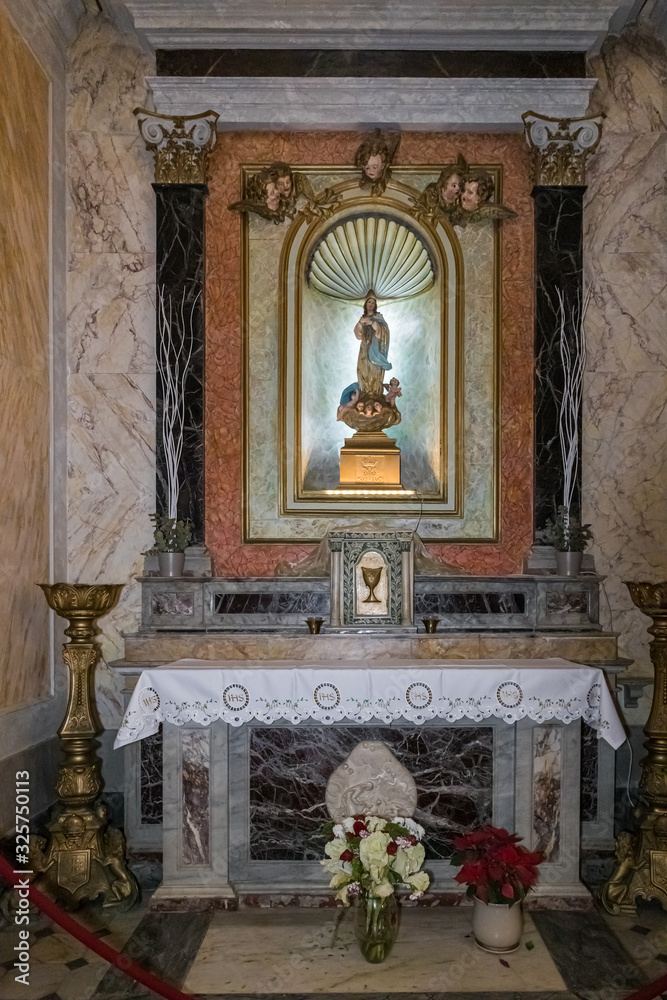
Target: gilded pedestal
[[83, 857], [641, 868], [370, 461]]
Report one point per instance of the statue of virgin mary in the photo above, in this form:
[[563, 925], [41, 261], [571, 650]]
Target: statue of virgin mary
[[373, 332]]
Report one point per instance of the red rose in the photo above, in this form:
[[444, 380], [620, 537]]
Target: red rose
[[358, 827], [392, 847], [346, 855]]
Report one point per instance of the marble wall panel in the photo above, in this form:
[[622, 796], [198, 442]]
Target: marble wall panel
[[195, 786], [224, 532], [25, 410], [111, 328], [625, 252], [547, 764], [290, 767], [151, 779]]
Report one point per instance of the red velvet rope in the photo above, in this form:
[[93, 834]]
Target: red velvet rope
[[82, 934], [134, 971]]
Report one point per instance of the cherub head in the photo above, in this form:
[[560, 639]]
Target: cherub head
[[282, 176], [267, 189], [359, 407], [374, 157], [368, 410], [476, 191], [450, 183], [394, 383], [377, 407]]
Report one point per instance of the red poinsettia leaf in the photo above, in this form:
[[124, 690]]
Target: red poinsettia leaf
[[507, 890], [503, 962]]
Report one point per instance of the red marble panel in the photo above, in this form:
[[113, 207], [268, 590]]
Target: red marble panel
[[224, 374]]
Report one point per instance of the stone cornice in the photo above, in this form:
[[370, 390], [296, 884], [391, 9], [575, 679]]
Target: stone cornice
[[357, 24], [351, 103]]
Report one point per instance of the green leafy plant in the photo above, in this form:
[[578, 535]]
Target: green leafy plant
[[170, 535], [566, 533]]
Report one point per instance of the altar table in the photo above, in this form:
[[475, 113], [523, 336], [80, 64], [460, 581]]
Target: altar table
[[219, 714]]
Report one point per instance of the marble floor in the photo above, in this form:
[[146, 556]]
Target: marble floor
[[291, 953]]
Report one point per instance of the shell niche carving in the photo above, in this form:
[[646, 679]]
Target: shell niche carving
[[369, 251], [373, 782]]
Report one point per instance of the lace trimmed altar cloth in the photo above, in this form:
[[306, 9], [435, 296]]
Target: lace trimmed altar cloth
[[203, 691]]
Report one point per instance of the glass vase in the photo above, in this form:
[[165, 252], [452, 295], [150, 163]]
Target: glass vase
[[375, 925]]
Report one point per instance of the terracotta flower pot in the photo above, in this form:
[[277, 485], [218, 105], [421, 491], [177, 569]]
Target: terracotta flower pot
[[497, 927]]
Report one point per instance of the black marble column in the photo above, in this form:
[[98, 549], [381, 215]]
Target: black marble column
[[180, 272], [558, 267]]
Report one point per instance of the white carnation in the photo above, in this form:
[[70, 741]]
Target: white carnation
[[339, 830]]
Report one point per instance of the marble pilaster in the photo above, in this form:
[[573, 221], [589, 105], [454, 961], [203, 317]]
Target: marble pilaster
[[110, 309]]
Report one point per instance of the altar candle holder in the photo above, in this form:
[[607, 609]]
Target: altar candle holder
[[431, 624], [641, 857], [83, 857], [314, 625]]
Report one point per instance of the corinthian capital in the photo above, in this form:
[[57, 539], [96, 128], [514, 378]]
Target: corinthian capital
[[561, 146], [180, 144]]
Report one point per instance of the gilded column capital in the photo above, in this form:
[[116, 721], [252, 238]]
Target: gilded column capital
[[561, 147], [180, 144]]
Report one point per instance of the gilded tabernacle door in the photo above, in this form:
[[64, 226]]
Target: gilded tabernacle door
[[371, 322]]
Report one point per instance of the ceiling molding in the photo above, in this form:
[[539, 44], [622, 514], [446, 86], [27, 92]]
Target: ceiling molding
[[383, 24], [425, 104]]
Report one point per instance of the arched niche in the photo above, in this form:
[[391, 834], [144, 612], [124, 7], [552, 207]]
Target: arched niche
[[319, 357]]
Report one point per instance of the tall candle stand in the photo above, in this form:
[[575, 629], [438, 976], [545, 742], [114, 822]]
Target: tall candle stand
[[641, 857], [83, 857]]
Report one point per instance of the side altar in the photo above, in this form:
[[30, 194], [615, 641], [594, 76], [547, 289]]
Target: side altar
[[236, 804]]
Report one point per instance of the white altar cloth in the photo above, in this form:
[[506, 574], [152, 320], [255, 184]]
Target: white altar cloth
[[202, 691]]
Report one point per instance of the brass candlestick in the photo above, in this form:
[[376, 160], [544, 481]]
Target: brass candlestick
[[641, 869], [83, 857]]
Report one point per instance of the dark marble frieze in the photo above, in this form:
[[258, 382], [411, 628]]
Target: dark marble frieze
[[303, 603], [289, 770], [493, 603], [558, 266], [196, 760], [151, 779], [589, 774], [165, 603], [562, 602], [358, 63], [180, 270]]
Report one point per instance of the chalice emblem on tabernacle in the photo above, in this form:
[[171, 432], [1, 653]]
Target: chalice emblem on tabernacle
[[372, 576]]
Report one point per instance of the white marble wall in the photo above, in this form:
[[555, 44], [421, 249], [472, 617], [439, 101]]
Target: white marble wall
[[625, 248], [110, 328]]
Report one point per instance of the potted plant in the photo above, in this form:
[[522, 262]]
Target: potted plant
[[498, 873], [369, 856], [170, 540], [569, 537]]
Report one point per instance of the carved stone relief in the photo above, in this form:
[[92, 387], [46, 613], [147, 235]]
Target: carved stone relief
[[373, 782]]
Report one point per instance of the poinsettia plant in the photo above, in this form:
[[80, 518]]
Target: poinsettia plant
[[370, 856], [494, 866]]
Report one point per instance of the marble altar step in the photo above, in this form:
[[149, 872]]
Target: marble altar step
[[148, 649]]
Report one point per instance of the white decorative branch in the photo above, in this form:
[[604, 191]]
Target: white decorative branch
[[174, 353], [573, 361]]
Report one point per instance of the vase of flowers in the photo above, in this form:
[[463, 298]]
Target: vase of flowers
[[498, 872], [368, 857], [569, 537]]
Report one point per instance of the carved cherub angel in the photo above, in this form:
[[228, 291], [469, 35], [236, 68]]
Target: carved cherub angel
[[273, 192], [374, 157], [442, 197], [461, 195]]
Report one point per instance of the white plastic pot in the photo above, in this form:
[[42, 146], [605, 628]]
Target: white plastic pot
[[497, 927]]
